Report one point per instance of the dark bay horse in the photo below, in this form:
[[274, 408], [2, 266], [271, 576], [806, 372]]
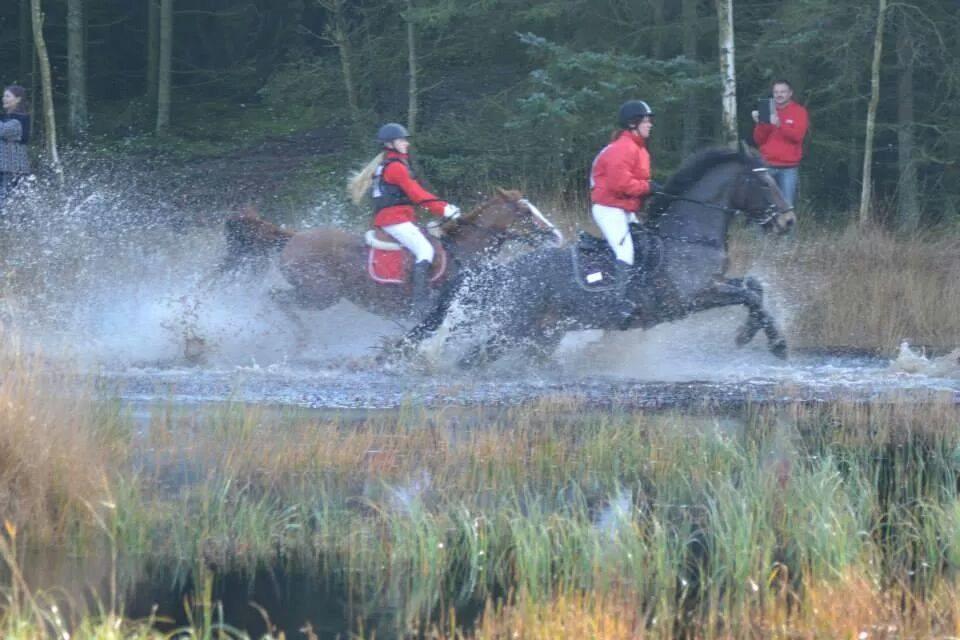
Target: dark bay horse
[[534, 299], [326, 264]]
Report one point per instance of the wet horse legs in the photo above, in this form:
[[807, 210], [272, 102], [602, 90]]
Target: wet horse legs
[[749, 293]]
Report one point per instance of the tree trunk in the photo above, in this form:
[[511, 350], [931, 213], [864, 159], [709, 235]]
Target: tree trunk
[[164, 66], [26, 46], [691, 114], [908, 201], [49, 118], [728, 71], [78, 118], [153, 50], [658, 37], [866, 193], [412, 91], [341, 39]]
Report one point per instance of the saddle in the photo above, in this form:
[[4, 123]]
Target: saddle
[[389, 262], [594, 261]]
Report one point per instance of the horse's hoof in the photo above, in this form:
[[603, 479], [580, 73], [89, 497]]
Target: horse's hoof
[[779, 348]]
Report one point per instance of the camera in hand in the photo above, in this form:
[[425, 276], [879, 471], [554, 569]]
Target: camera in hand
[[764, 107]]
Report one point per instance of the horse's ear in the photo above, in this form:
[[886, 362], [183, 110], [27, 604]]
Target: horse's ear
[[503, 193]]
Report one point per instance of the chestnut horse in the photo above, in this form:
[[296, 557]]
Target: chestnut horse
[[326, 264]]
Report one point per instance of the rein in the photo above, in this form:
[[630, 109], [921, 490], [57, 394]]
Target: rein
[[506, 235], [769, 214]]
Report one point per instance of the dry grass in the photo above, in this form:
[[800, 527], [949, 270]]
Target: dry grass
[[861, 288], [57, 448], [853, 607]]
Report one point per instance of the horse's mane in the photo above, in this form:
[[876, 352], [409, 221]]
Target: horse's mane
[[694, 168]]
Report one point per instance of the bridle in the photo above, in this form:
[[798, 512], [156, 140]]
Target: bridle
[[764, 217]]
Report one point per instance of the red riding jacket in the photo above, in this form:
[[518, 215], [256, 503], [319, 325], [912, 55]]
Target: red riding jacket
[[620, 176], [783, 146], [398, 174]]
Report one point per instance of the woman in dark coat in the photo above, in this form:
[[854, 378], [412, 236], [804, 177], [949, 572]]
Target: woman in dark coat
[[14, 137]]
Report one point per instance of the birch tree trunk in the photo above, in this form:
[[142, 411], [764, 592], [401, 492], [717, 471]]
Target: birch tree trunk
[[908, 201], [728, 71], [164, 66], [691, 114], [153, 51], [866, 193], [78, 118], [412, 90], [49, 118]]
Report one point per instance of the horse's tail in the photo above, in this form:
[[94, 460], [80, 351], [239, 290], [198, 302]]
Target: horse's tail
[[359, 183], [251, 241]]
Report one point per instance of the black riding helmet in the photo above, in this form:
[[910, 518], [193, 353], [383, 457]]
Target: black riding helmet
[[632, 112], [391, 131]]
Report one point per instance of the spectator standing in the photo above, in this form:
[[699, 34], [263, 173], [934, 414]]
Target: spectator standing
[[14, 138], [781, 140]]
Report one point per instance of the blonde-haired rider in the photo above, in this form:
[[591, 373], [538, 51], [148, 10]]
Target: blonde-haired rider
[[396, 193]]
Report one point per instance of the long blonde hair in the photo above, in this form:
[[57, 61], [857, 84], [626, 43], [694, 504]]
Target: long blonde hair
[[358, 185]]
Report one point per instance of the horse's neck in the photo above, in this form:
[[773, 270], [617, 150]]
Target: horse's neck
[[470, 241], [686, 218]]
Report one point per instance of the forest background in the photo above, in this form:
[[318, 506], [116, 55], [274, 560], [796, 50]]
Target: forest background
[[280, 98]]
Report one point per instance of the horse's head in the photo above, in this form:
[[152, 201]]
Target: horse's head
[[758, 196], [508, 216]]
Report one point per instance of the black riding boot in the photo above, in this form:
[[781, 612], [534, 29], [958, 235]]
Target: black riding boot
[[421, 288], [625, 307]]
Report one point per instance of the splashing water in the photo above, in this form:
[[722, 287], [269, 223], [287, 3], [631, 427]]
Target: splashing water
[[98, 275]]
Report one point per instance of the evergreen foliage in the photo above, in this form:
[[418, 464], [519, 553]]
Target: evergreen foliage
[[525, 92]]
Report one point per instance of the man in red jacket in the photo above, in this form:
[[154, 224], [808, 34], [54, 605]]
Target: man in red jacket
[[781, 139]]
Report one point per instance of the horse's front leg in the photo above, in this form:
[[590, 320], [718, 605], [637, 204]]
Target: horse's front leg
[[749, 293], [288, 301]]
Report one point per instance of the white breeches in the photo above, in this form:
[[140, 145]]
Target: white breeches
[[614, 224], [410, 236]]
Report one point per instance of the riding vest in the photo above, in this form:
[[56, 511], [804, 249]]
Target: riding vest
[[386, 194], [395, 192], [13, 151]]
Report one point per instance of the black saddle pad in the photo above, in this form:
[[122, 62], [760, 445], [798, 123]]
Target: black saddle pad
[[593, 263], [594, 260]]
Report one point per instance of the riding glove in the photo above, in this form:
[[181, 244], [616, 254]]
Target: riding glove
[[451, 212]]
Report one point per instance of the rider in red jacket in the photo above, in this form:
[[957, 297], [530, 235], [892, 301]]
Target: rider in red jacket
[[620, 182], [395, 193]]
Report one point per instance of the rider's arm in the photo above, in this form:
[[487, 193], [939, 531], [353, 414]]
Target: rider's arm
[[11, 130], [397, 173]]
